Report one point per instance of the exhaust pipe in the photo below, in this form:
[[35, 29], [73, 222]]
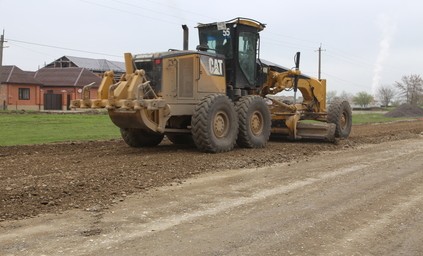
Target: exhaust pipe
[[185, 28]]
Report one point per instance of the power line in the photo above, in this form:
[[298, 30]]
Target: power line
[[184, 10], [285, 43], [345, 81], [62, 48], [290, 42], [294, 38], [128, 12], [31, 49], [292, 45], [151, 10], [341, 55]]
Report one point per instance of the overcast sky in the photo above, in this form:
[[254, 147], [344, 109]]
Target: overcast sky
[[367, 43]]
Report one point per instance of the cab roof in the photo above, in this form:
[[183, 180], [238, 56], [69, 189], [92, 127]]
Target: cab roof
[[244, 21]]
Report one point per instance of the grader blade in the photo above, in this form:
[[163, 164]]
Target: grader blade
[[318, 131], [313, 131]]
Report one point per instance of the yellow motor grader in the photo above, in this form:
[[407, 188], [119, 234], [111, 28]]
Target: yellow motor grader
[[217, 96]]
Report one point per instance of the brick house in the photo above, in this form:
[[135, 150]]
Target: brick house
[[19, 90], [55, 85], [61, 85], [68, 74], [45, 89]]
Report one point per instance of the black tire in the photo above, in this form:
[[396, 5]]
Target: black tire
[[139, 138], [180, 139], [339, 113], [254, 122], [214, 124]]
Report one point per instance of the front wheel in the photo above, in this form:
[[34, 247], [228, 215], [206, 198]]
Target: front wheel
[[254, 122], [340, 114], [214, 124], [139, 138]]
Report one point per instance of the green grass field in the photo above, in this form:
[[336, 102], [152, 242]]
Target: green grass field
[[18, 129], [374, 118], [36, 128]]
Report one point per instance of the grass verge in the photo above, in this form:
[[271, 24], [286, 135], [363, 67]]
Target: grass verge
[[19, 129], [375, 118]]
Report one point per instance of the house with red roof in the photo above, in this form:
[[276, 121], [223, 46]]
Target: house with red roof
[[19, 90], [45, 89], [54, 86], [61, 85]]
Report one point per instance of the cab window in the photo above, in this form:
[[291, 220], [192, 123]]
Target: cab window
[[217, 41], [247, 45]]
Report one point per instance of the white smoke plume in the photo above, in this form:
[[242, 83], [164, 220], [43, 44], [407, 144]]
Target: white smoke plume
[[388, 27]]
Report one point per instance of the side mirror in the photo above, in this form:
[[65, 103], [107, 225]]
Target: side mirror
[[202, 47]]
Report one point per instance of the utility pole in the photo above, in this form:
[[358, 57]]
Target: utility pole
[[320, 61], [1, 52], [1, 64]]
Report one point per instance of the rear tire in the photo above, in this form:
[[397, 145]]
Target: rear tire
[[340, 114], [214, 124], [254, 122], [139, 138]]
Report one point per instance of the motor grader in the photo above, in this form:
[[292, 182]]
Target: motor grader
[[217, 96]]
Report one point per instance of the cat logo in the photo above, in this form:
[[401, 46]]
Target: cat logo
[[213, 66], [216, 67]]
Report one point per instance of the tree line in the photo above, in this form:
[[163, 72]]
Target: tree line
[[409, 90]]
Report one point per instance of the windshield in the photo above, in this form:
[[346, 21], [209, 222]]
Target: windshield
[[217, 41]]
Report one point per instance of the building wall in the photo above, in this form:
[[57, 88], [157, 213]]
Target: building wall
[[9, 96], [3, 96], [14, 103], [68, 93]]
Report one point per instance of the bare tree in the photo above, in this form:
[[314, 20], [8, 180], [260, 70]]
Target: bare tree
[[330, 95], [363, 99], [346, 96], [411, 88], [386, 94]]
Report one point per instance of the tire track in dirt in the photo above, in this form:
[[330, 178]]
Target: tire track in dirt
[[309, 207], [53, 178]]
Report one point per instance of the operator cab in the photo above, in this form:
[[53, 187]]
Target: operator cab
[[238, 41]]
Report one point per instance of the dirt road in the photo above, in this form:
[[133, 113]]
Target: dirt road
[[361, 196]]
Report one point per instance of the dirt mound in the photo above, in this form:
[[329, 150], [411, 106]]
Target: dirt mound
[[406, 110]]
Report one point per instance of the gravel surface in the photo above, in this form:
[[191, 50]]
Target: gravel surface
[[53, 178]]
